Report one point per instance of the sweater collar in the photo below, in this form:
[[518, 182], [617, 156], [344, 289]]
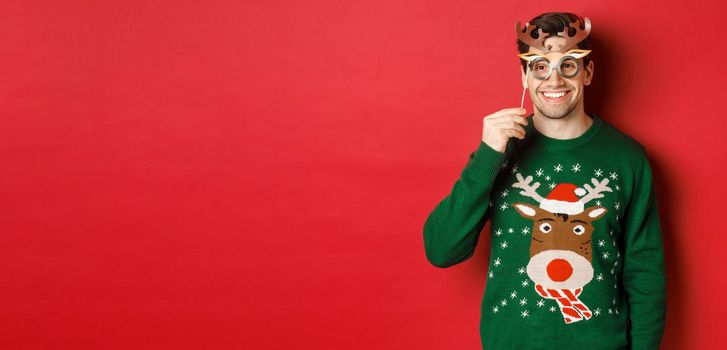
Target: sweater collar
[[539, 139]]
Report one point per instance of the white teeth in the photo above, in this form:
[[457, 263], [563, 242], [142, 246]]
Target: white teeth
[[554, 95]]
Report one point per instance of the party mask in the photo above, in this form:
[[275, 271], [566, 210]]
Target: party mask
[[567, 63]]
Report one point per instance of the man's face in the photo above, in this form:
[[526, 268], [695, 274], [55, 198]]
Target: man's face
[[556, 106]]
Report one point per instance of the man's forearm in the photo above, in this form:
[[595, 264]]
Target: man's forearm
[[452, 228]]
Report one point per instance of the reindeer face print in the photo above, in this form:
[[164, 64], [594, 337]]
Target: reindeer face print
[[560, 231], [560, 245]]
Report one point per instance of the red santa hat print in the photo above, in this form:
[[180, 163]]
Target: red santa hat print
[[563, 199]]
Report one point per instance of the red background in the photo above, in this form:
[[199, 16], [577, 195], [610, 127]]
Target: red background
[[230, 174]]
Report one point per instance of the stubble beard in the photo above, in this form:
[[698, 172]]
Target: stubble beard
[[567, 112]]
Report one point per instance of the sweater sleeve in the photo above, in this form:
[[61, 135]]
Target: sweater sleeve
[[644, 277], [453, 227]]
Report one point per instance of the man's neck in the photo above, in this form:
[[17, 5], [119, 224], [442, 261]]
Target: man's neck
[[568, 127]]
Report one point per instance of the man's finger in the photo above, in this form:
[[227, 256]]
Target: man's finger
[[514, 133], [517, 128], [520, 120], [506, 111], [507, 123]]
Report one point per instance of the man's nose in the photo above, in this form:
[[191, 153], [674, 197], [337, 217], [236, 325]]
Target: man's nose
[[555, 77]]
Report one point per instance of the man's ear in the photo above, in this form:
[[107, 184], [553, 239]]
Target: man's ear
[[589, 73]]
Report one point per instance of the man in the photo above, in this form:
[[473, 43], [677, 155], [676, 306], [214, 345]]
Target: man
[[576, 256]]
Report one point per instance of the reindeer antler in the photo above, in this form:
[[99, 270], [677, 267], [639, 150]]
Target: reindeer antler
[[528, 190], [578, 37], [524, 36], [595, 191]]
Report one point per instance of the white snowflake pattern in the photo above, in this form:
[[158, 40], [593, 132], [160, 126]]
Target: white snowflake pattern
[[523, 301], [498, 232], [599, 278], [610, 311], [613, 176], [599, 173], [503, 302], [558, 168], [618, 188], [597, 312], [601, 243], [525, 230], [504, 164], [617, 205], [491, 274], [504, 193], [503, 245], [521, 270], [541, 303], [524, 313], [524, 283], [503, 206], [513, 295], [547, 178], [551, 185], [598, 202], [616, 312], [576, 167], [497, 262], [495, 309], [510, 230], [539, 173], [552, 309], [614, 301], [605, 255], [514, 169]]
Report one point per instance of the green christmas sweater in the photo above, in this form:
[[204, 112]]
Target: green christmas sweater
[[576, 257]]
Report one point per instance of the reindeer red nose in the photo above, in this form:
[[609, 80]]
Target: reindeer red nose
[[559, 270]]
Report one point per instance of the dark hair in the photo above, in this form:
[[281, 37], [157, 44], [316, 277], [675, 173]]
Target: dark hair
[[552, 23]]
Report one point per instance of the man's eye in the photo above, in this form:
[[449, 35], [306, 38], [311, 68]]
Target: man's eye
[[568, 65]]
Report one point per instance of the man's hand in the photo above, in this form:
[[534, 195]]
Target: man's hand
[[499, 127]]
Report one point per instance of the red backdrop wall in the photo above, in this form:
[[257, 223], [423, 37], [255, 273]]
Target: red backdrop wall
[[238, 174]]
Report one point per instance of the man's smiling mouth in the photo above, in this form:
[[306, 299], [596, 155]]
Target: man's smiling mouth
[[555, 96]]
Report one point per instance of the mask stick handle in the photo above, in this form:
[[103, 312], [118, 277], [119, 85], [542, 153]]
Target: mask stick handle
[[523, 98]]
